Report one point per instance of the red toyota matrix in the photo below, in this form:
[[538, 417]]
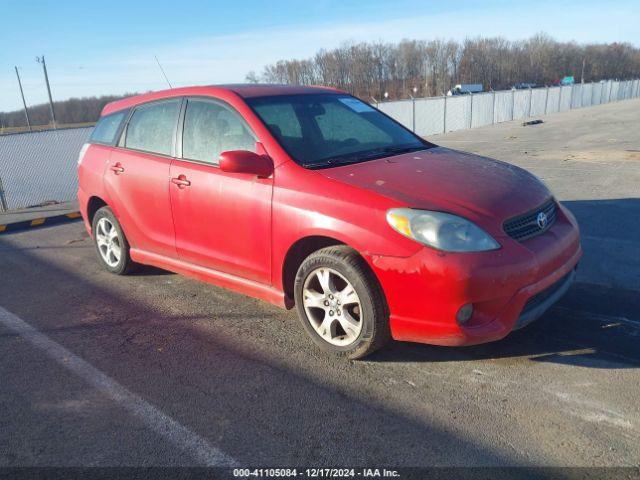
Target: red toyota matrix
[[309, 198]]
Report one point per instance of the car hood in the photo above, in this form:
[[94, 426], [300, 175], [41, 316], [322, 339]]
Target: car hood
[[448, 180]]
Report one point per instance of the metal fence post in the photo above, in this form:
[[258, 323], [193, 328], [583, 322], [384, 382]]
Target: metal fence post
[[413, 101], [559, 97], [471, 110], [513, 103], [530, 101], [444, 120], [546, 102], [571, 96], [493, 108], [3, 199]]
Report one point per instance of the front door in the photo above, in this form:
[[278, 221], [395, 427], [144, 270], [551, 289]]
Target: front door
[[222, 220]]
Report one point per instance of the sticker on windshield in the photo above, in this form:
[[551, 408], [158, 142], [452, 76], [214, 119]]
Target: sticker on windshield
[[356, 105]]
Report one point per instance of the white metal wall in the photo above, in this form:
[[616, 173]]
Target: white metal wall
[[428, 116], [482, 109]]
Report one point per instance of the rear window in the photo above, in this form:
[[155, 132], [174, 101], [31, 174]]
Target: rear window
[[152, 126], [107, 128]]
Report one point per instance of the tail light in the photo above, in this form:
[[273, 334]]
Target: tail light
[[83, 150]]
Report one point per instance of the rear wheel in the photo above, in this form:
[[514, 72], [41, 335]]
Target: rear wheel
[[340, 303], [111, 244]]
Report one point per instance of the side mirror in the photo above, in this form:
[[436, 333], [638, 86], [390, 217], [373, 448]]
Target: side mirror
[[242, 161]]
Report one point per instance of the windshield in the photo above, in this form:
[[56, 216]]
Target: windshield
[[323, 130]]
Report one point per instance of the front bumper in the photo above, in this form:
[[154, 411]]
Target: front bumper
[[425, 291], [537, 305]]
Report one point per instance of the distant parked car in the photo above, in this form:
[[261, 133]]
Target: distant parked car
[[310, 198], [465, 89]]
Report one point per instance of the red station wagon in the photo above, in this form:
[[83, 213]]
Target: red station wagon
[[307, 197]]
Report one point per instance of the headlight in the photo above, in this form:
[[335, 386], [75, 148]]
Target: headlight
[[441, 230]]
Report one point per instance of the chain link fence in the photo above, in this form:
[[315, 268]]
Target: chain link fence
[[429, 116], [40, 167]]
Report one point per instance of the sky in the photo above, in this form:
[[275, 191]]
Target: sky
[[98, 48]]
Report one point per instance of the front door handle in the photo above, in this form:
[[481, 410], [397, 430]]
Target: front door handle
[[117, 168], [181, 181]]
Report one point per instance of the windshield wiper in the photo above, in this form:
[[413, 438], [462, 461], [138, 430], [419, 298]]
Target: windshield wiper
[[398, 150], [321, 164], [366, 155]]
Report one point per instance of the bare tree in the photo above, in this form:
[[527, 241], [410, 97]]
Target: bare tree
[[371, 69]]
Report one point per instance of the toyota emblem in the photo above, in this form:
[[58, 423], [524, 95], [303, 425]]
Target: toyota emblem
[[542, 220]]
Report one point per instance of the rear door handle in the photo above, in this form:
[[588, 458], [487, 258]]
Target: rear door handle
[[181, 181], [117, 169]]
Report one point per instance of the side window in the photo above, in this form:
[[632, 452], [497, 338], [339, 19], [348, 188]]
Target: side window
[[151, 127], [212, 128], [107, 127]]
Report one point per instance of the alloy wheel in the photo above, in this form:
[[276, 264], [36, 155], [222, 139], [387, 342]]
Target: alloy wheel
[[332, 306], [109, 243]]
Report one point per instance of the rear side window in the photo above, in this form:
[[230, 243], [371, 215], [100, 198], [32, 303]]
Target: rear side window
[[151, 127], [211, 128], [107, 128]]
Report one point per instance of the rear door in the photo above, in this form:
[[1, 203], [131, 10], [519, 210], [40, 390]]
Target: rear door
[[222, 220], [137, 177]]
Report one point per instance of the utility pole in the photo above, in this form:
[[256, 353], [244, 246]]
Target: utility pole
[[46, 79], [584, 59], [26, 112]]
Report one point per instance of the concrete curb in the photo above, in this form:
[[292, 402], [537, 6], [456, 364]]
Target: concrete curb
[[39, 222]]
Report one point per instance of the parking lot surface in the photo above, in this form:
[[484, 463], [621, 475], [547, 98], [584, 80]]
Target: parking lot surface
[[159, 369]]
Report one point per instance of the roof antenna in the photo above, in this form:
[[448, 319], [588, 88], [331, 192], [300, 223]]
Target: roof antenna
[[162, 70]]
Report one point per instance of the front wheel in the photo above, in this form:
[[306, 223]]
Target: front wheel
[[340, 303]]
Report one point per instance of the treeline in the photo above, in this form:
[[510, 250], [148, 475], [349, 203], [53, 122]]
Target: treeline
[[434, 66], [74, 110]]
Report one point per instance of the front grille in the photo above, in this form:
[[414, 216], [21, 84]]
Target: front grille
[[526, 226], [542, 296]]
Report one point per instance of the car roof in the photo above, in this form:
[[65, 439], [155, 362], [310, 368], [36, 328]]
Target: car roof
[[243, 90], [248, 90]]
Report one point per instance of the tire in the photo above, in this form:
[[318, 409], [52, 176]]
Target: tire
[[115, 242], [337, 321]]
